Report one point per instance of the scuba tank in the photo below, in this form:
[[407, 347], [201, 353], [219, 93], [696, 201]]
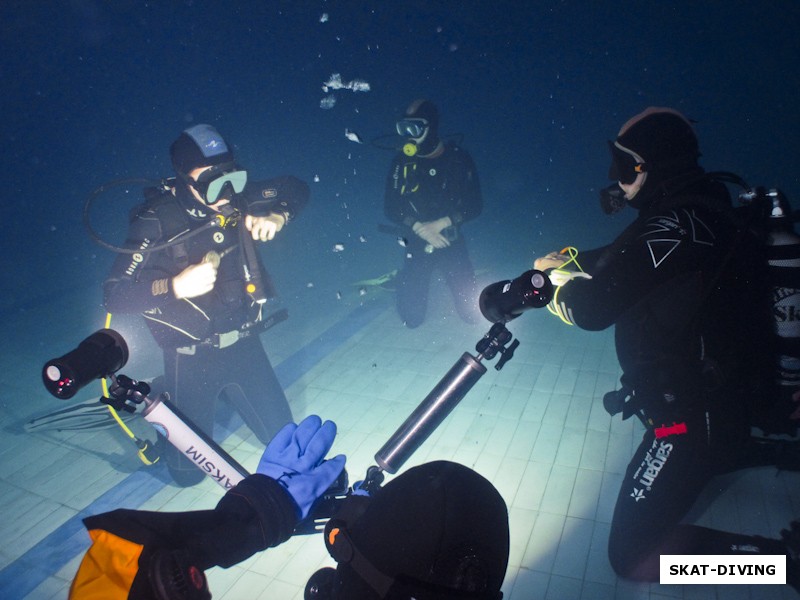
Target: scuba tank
[[778, 412], [783, 257]]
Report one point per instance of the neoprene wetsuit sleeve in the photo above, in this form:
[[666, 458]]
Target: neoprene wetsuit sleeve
[[136, 282], [468, 200], [645, 257], [256, 514], [393, 203], [596, 304]]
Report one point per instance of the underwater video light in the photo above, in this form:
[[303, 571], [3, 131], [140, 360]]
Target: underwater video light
[[505, 300], [98, 356]]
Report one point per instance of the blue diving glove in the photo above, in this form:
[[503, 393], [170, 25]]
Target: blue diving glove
[[295, 458]]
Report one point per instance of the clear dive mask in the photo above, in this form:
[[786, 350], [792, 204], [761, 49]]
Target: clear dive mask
[[416, 129], [626, 165], [413, 128], [214, 183]]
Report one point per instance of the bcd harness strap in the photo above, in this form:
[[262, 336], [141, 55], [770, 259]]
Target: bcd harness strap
[[229, 338]]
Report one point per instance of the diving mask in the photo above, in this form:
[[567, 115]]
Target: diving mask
[[214, 183], [413, 128], [626, 165]]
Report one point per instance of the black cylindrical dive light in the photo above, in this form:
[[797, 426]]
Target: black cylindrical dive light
[[505, 300], [102, 353]]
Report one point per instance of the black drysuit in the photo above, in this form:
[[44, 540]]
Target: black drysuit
[[420, 189], [682, 286], [256, 514], [207, 351]]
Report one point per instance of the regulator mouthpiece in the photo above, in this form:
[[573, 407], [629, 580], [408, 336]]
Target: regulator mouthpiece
[[410, 149]]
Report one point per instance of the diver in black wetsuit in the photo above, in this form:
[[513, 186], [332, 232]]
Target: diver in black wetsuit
[[432, 189], [436, 531], [682, 284], [203, 290]]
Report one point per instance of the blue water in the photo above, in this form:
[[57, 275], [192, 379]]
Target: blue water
[[93, 92], [96, 91]]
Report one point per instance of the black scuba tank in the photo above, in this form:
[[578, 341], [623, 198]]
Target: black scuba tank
[[783, 257]]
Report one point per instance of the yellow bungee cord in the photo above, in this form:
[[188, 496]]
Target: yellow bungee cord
[[143, 446], [553, 307]]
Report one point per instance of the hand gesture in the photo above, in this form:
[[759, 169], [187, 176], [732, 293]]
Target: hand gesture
[[431, 232], [559, 277], [264, 228], [553, 260], [295, 458], [195, 280]]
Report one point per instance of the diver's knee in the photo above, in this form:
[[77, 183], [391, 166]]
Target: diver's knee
[[412, 323], [630, 561], [411, 319], [623, 556], [621, 564]]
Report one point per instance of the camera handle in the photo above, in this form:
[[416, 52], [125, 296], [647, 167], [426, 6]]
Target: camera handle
[[126, 394], [419, 426], [104, 352], [439, 403]]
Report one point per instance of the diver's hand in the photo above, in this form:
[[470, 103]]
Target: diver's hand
[[559, 277], [264, 228], [295, 458], [195, 280], [553, 260], [431, 231]]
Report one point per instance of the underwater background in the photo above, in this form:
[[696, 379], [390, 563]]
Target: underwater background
[[94, 92]]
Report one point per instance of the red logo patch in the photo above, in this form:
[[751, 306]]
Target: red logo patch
[[674, 429]]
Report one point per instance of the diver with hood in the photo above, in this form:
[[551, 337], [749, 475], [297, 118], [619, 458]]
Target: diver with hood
[[438, 531], [431, 191], [200, 285], [683, 285]]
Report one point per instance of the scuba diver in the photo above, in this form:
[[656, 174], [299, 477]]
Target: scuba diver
[[437, 531], [431, 191], [193, 273], [684, 285]]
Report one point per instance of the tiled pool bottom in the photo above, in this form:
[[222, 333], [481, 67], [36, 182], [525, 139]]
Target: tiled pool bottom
[[536, 429]]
